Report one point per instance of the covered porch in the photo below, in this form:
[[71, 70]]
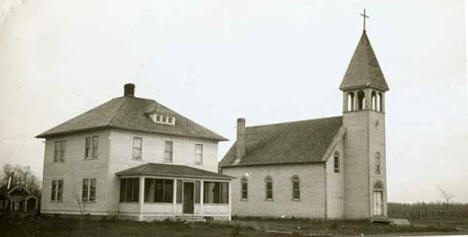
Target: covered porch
[[159, 191]]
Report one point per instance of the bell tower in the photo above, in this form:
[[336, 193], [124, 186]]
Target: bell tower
[[364, 88]]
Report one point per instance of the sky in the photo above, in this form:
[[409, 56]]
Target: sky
[[266, 60]]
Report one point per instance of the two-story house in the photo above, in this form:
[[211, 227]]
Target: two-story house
[[133, 158]]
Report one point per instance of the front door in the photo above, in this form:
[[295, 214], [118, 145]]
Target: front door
[[378, 203], [188, 198]]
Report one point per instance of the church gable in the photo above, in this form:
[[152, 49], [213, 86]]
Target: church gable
[[285, 143]]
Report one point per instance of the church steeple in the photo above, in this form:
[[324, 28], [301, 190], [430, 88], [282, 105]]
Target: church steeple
[[364, 70]]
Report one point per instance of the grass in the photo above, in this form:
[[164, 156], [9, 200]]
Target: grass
[[49, 226]]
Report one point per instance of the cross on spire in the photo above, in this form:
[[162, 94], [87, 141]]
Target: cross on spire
[[364, 16]]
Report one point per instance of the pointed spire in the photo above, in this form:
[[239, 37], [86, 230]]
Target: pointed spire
[[364, 70]]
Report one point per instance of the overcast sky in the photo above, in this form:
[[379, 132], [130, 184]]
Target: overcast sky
[[268, 61]]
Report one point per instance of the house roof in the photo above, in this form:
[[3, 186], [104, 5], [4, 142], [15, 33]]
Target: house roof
[[131, 113], [171, 170], [286, 143], [364, 69]]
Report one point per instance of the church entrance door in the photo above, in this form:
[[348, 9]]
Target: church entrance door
[[378, 203]]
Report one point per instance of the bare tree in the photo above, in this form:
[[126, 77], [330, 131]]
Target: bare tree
[[447, 199], [20, 176]]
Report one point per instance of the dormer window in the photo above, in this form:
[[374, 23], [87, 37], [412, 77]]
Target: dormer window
[[162, 119]]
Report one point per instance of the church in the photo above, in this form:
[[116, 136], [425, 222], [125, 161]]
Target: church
[[329, 168]]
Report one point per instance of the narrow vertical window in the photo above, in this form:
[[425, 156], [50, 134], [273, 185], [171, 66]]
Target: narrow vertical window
[[88, 147], [91, 147], [244, 188], [84, 190], [268, 188], [53, 191], [197, 191], [377, 163], [92, 189], [60, 190], [59, 151], [179, 191], [137, 147], [198, 154], [95, 147], [336, 162], [296, 191], [168, 151]]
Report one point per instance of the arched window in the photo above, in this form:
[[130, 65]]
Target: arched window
[[378, 185], [379, 102], [361, 100], [336, 162], [350, 101], [244, 188], [378, 199], [296, 189], [377, 163], [268, 188], [374, 101]]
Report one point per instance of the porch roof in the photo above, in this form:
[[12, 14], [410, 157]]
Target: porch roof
[[170, 170]]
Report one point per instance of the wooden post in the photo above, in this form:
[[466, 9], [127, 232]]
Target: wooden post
[[141, 198], [201, 197], [174, 199]]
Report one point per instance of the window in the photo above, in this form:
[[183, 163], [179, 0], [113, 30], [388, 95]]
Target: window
[[59, 151], [361, 100], [351, 101], [159, 190], [215, 192], [296, 191], [198, 154], [336, 162], [163, 119], [197, 191], [377, 163], [244, 188], [56, 192], [91, 147], [179, 191], [137, 147], [168, 146], [129, 189], [268, 188], [88, 191]]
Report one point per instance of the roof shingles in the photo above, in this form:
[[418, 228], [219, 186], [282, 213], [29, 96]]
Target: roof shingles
[[132, 113], [294, 142], [171, 170]]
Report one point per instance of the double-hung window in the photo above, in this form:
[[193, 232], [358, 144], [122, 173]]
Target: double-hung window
[[137, 147], [89, 190], [56, 192], [198, 154], [168, 151], [59, 151], [91, 147]]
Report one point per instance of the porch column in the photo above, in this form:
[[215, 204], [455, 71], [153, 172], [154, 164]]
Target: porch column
[[174, 198], [201, 197], [141, 197], [229, 199]]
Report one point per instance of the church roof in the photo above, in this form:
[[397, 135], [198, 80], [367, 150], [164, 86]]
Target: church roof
[[132, 113], [286, 143], [364, 69], [171, 170]]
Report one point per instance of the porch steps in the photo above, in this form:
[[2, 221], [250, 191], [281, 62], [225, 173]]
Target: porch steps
[[191, 218]]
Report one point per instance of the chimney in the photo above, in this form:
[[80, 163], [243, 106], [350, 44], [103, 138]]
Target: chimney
[[240, 143], [129, 89]]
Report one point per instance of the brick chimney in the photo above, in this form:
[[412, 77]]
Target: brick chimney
[[240, 142], [129, 89]]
